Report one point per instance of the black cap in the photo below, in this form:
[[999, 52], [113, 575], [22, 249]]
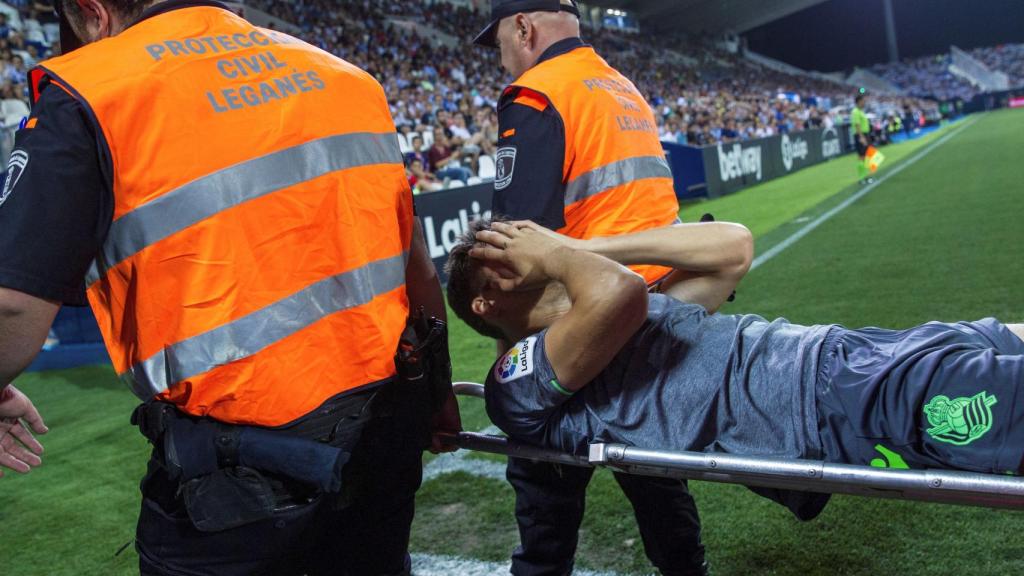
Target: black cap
[[501, 9]]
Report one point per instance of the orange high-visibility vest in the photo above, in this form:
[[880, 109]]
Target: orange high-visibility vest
[[615, 173], [255, 266]]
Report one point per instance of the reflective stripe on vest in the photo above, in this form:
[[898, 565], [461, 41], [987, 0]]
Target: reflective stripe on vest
[[616, 178], [614, 175], [255, 265], [232, 186], [250, 334]]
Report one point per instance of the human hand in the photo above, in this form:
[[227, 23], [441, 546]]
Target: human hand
[[515, 257], [446, 422], [574, 243], [19, 450]]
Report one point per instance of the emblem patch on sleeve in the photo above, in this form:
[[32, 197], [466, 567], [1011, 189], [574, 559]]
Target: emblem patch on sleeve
[[517, 362], [15, 168], [505, 165]]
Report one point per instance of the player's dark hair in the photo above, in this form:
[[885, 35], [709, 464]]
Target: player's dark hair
[[465, 281]]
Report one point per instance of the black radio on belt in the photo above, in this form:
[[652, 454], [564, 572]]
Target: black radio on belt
[[422, 356]]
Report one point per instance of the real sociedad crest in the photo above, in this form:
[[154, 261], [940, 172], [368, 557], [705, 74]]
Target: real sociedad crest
[[962, 420]]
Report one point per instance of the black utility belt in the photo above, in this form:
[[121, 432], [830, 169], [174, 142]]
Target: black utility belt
[[232, 475], [312, 451]]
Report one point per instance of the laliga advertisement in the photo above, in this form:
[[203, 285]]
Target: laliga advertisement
[[446, 215]]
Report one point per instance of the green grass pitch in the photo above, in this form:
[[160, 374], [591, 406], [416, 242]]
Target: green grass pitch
[[940, 240]]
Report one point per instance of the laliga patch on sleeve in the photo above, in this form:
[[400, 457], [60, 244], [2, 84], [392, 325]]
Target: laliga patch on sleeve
[[517, 362], [15, 168], [505, 165]]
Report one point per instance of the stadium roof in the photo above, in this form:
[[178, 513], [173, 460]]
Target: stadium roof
[[712, 16]]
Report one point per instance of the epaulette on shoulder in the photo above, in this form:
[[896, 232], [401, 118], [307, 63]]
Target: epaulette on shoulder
[[526, 97]]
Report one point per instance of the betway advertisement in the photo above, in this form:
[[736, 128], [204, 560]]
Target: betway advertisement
[[730, 167], [726, 168]]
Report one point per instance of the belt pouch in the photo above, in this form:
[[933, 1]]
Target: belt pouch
[[228, 498]]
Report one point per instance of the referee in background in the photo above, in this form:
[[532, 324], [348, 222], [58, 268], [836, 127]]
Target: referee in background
[[862, 138]]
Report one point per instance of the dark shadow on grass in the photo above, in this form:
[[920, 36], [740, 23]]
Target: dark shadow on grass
[[84, 377], [834, 543]]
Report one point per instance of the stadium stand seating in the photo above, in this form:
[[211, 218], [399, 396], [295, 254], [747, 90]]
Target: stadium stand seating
[[420, 51], [702, 94], [949, 76], [1005, 58], [28, 34]]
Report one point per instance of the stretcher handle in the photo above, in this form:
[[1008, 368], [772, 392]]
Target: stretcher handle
[[940, 486]]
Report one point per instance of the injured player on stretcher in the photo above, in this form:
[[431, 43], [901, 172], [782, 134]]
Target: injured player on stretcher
[[601, 357]]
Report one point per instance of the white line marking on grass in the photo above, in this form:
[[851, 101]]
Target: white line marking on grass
[[435, 565], [458, 462], [796, 236], [430, 565]]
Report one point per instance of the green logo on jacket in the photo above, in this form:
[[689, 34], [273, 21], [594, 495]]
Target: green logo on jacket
[[960, 421]]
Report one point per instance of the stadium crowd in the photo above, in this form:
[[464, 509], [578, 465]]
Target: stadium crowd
[[1007, 58], [28, 34], [931, 77], [443, 91], [927, 77]]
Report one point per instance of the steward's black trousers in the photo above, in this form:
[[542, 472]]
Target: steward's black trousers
[[550, 501], [369, 536]]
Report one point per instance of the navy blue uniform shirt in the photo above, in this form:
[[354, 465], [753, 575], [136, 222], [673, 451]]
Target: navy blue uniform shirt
[[57, 203], [531, 150]]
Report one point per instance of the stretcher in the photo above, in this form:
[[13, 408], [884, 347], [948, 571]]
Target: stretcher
[[941, 486]]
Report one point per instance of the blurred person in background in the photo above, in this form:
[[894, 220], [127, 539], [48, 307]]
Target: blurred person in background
[[444, 159], [421, 179]]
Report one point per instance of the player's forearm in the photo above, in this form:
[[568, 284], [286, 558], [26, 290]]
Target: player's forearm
[[575, 268], [595, 284], [713, 247], [608, 306]]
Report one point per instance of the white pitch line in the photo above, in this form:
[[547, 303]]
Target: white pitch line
[[435, 565], [431, 565], [796, 236], [458, 462]]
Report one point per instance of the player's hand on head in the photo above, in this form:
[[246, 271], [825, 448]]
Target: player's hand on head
[[493, 261], [19, 449], [550, 234], [513, 256]]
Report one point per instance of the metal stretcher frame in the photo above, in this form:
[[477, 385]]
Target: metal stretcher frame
[[940, 486]]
